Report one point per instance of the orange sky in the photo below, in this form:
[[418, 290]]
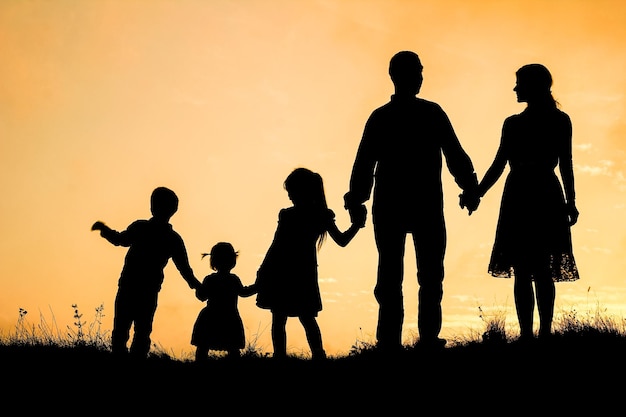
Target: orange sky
[[102, 101]]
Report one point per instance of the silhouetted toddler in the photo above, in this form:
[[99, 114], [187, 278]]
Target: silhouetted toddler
[[219, 325]]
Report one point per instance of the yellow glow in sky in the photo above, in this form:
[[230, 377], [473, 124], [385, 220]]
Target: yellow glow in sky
[[102, 101]]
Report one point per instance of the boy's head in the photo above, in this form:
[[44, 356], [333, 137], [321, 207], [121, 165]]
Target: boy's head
[[163, 203]]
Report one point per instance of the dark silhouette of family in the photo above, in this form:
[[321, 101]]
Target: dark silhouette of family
[[398, 165]]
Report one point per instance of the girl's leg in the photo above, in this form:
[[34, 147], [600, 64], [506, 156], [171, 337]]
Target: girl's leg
[[314, 336], [279, 335], [524, 302]]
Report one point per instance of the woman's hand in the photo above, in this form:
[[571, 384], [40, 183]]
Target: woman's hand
[[572, 214]]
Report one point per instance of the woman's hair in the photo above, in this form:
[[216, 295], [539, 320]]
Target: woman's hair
[[306, 188], [539, 80], [223, 256]]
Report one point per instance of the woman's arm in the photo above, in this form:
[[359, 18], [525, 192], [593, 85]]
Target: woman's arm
[[497, 166], [566, 170]]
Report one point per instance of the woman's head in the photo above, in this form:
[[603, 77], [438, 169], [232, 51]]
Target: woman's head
[[305, 187], [533, 85], [223, 257]]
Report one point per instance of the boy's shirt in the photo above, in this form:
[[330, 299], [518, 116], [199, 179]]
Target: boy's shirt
[[151, 244]]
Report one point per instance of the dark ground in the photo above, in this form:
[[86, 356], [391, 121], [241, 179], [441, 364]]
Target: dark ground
[[568, 375]]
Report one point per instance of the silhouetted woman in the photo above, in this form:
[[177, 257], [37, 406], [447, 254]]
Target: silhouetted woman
[[533, 239]]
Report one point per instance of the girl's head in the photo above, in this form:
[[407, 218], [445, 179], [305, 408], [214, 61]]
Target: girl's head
[[533, 85], [305, 188], [223, 257]]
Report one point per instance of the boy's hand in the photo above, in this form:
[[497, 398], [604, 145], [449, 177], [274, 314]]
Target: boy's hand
[[98, 226]]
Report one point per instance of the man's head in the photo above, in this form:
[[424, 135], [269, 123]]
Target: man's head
[[405, 70], [163, 203]]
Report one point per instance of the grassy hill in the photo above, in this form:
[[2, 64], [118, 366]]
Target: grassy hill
[[578, 371]]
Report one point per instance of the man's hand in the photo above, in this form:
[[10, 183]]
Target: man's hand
[[470, 201], [358, 215]]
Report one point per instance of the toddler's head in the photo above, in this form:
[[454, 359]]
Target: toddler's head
[[223, 257]]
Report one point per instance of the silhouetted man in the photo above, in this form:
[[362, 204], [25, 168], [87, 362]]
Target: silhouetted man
[[400, 156]]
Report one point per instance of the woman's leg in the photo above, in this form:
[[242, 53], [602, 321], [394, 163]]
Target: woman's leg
[[546, 294], [524, 302], [314, 336], [279, 335], [202, 354]]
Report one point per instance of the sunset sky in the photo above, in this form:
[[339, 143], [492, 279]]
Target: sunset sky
[[102, 101]]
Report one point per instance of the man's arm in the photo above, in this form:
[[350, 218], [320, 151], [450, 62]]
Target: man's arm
[[362, 177], [458, 161]]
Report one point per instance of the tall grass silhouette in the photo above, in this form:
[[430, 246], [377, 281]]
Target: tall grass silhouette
[[576, 371]]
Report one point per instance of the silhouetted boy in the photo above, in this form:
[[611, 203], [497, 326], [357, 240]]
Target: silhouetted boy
[[151, 244]]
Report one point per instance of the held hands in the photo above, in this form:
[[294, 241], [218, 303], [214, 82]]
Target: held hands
[[470, 200], [358, 215], [357, 210]]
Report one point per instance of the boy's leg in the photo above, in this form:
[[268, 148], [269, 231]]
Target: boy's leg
[[122, 321], [146, 307]]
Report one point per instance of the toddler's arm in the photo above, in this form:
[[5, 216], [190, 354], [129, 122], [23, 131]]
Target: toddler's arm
[[248, 290]]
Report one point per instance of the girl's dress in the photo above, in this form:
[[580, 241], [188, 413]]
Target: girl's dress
[[532, 227], [219, 325], [287, 280]]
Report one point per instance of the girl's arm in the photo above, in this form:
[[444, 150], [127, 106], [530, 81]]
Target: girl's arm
[[343, 238]]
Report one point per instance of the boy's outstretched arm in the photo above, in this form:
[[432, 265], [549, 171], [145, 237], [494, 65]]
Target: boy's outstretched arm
[[109, 234]]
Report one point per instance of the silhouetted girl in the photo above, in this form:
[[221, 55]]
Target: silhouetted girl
[[533, 238], [219, 325], [287, 280]]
